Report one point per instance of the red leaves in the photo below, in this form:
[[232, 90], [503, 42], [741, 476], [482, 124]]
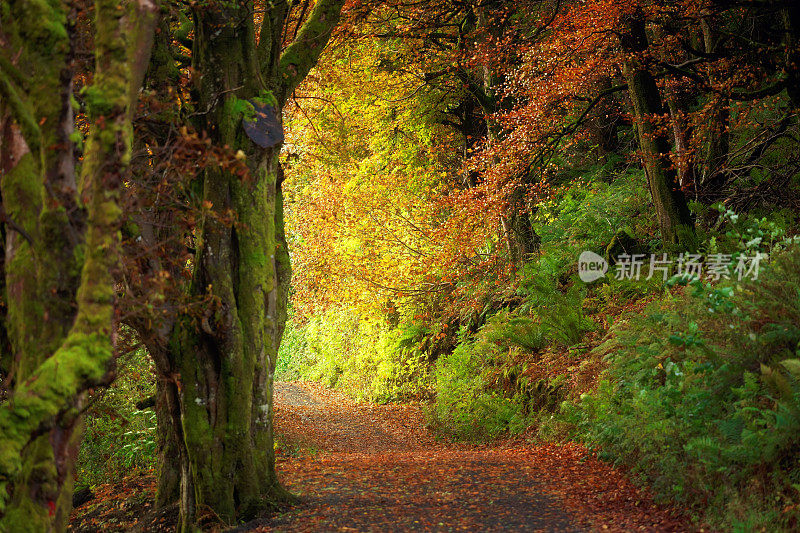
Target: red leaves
[[367, 467], [125, 506]]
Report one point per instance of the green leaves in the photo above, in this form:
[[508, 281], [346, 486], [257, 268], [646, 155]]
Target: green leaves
[[685, 408]]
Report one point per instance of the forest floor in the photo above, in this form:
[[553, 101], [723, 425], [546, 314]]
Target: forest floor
[[367, 467]]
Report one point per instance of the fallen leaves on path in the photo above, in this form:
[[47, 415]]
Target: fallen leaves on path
[[376, 468], [366, 467], [124, 506]]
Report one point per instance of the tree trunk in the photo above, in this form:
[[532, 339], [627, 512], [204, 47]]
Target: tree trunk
[[674, 219], [603, 124], [717, 132], [226, 359], [41, 266], [60, 329], [791, 22], [169, 445], [715, 156]]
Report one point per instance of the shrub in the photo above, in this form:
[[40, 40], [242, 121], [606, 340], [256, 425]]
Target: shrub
[[466, 406], [589, 213], [364, 357], [485, 386], [702, 398], [119, 439]]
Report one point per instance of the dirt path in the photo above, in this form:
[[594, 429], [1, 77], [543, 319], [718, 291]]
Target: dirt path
[[376, 468]]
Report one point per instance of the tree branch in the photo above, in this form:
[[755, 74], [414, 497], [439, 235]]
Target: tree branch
[[300, 56], [23, 116], [7, 67], [485, 100], [270, 34]]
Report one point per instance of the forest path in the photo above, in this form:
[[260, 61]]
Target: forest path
[[367, 467]]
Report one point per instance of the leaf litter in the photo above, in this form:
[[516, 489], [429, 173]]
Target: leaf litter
[[367, 467]]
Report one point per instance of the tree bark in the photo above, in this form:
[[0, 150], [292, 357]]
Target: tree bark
[[40, 298], [672, 211], [603, 124], [716, 131], [226, 359], [791, 22], [169, 446], [60, 295]]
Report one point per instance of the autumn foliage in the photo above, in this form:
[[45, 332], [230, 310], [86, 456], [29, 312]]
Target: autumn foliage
[[389, 197]]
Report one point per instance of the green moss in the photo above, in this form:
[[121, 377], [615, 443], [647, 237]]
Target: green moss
[[22, 199], [22, 192], [28, 517], [266, 98], [51, 387], [81, 361], [235, 107], [38, 30], [47, 20], [22, 113], [256, 259], [58, 277], [185, 27], [38, 467], [302, 54]]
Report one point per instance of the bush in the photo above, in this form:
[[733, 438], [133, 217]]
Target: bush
[[119, 439], [589, 213], [366, 358], [465, 406], [702, 398], [488, 385]]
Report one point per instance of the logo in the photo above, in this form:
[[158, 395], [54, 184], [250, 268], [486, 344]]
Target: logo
[[591, 267]]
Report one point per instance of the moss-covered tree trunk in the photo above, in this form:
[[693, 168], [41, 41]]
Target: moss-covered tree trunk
[[672, 211], [39, 193], [59, 286], [226, 359]]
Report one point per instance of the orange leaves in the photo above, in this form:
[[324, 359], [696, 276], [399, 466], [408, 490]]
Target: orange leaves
[[361, 197], [365, 467], [193, 152], [125, 506]]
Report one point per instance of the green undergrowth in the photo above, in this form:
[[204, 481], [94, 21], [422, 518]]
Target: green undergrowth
[[516, 369], [120, 439], [696, 392], [692, 385], [368, 359], [701, 398], [493, 383], [496, 380]]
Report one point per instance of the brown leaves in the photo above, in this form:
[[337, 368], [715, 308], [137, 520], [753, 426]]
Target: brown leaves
[[365, 467], [127, 506]]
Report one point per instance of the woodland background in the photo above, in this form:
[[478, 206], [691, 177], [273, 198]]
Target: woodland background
[[444, 164]]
